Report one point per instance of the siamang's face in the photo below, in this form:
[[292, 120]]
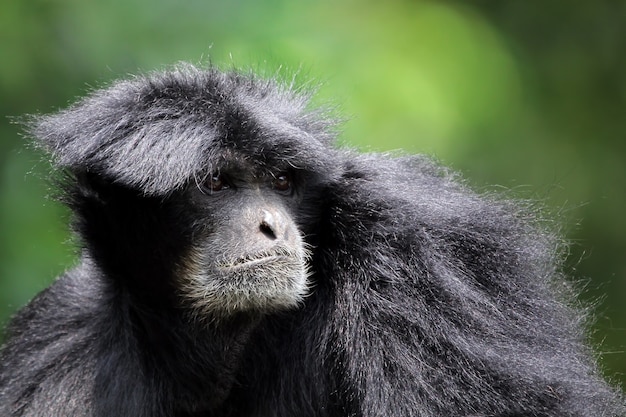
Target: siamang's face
[[248, 253]]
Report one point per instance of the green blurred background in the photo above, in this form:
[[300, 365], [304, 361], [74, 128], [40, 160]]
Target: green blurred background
[[527, 95]]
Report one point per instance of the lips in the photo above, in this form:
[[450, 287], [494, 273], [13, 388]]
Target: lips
[[256, 260]]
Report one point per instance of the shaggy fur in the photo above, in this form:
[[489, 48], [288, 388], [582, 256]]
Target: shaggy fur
[[424, 298]]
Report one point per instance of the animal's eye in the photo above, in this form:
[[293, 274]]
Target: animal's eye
[[282, 182], [216, 182]]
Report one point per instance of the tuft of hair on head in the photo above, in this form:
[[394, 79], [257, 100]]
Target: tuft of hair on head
[[156, 131]]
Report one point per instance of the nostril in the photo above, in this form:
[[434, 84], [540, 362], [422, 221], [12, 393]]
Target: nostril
[[267, 230], [268, 224]]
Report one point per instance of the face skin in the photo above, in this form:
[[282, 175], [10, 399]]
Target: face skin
[[250, 256]]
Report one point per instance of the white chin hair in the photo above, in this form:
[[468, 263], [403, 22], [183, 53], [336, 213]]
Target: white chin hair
[[265, 284]]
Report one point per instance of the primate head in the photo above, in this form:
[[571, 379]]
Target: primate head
[[194, 185]]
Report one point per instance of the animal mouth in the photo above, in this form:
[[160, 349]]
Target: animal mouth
[[256, 260]]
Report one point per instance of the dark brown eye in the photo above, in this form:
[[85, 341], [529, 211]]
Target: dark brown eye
[[282, 182], [216, 182]]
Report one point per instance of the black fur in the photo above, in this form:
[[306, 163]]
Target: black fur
[[426, 299]]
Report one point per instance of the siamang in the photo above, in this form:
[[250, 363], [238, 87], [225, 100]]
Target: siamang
[[235, 262]]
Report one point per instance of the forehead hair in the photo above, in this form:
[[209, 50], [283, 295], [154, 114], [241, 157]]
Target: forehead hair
[[157, 131]]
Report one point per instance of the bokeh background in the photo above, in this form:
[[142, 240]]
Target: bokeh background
[[526, 95]]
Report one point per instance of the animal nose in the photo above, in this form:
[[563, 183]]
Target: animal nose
[[269, 225]]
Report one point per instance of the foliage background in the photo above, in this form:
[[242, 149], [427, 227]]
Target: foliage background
[[528, 95]]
